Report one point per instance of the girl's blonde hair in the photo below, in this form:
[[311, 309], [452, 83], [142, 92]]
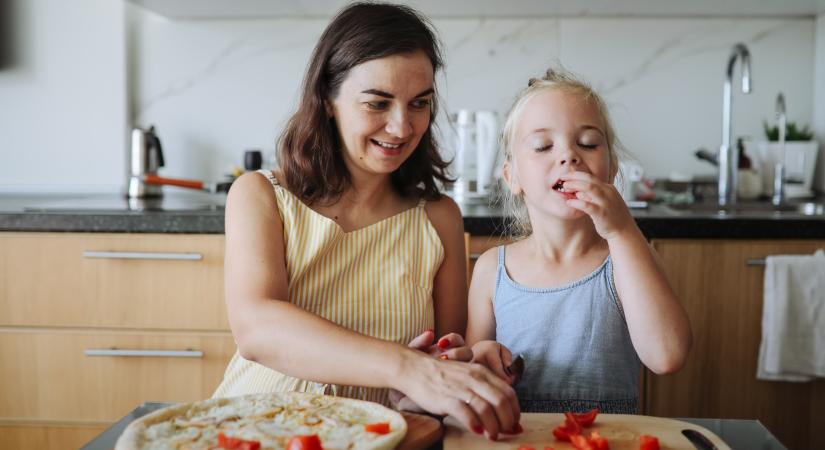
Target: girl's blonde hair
[[513, 205]]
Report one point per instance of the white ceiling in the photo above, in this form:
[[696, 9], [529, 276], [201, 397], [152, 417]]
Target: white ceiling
[[249, 9]]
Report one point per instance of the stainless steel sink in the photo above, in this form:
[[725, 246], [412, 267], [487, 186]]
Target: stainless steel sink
[[754, 208]]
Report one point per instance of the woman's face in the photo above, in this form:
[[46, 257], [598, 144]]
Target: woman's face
[[557, 133], [382, 110]]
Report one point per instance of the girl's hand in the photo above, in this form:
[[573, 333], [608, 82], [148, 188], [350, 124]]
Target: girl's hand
[[495, 357], [450, 346], [601, 201], [470, 392]]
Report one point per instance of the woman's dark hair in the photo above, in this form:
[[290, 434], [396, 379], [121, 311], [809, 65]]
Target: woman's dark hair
[[310, 155]]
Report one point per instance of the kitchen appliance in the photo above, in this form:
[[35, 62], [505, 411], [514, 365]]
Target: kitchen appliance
[[147, 157], [476, 154]]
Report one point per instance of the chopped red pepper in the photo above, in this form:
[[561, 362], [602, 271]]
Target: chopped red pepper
[[569, 428], [587, 419], [647, 442], [525, 447], [581, 443], [311, 442], [378, 428], [230, 443], [598, 441]]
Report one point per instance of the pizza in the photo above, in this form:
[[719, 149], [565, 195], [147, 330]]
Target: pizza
[[283, 420]]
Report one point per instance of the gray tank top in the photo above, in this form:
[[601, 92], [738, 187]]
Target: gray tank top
[[574, 340]]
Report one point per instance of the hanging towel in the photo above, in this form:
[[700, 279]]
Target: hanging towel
[[793, 318]]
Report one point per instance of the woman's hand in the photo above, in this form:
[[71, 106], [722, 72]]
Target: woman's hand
[[470, 392], [601, 201], [450, 346], [495, 357]]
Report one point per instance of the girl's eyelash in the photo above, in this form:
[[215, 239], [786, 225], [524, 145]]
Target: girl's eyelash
[[589, 146], [543, 148]]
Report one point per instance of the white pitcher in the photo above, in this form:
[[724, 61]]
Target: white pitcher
[[476, 150]]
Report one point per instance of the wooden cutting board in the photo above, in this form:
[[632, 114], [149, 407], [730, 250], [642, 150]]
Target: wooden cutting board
[[422, 432], [622, 432]]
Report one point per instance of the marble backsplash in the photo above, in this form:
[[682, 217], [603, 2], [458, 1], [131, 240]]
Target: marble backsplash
[[215, 88]]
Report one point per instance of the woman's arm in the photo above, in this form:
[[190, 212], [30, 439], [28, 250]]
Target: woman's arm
[[481, 320], [273, 332], [450, 284]]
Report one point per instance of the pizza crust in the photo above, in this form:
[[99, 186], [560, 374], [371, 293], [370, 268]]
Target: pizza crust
[[270, 418]]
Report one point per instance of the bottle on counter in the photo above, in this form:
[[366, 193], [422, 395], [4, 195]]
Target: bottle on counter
[[749, 182]]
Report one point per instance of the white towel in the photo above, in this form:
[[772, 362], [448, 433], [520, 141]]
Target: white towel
[[793, 318]]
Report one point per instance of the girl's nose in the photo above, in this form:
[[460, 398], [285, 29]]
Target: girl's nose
[[398, 124], [570, 157]]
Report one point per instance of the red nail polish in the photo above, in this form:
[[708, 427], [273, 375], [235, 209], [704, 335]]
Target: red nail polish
[[443, 356], [478, 429], [443, 343]]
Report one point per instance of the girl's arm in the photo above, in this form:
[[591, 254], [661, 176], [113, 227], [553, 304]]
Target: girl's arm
[[658, 325], [273, 332]]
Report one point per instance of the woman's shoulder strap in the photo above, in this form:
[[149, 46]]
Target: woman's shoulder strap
[[269, 176]]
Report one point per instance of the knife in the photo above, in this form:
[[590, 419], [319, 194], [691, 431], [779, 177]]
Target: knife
[[699, 440], [516, 367]]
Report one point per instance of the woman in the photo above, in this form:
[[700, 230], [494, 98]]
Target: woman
[[356, 253]]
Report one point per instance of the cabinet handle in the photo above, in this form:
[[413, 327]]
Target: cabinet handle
[[177, 256], [755, 262], [188, 353]]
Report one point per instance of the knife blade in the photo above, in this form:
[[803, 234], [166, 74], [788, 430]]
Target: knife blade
[[699, 440], [516, 367]]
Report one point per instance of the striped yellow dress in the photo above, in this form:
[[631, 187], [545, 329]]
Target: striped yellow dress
[[377, 280]]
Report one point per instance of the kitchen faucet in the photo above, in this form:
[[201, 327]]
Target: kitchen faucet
[[728, 155], [779, 164]]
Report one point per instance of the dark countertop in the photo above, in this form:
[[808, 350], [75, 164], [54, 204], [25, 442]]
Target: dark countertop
[[195, 212], [738, 434]]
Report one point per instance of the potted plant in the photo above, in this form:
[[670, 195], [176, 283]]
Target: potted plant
[[800, 158]]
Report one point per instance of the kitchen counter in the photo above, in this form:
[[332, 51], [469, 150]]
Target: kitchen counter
[[195, 212], [738, 434]]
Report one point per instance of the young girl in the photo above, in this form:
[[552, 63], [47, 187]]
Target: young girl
[[581, 295]]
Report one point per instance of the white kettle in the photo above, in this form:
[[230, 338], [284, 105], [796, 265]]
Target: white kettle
[[476, 152]]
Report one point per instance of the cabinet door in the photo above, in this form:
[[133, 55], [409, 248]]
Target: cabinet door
[[53, 374], [477, 245], [112, 280], [47, 436], [723, 297]]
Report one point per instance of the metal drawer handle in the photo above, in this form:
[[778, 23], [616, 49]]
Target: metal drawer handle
[[188, 353], [144, 255], [755, 262]]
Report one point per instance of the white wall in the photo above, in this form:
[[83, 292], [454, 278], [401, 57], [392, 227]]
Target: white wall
[[819, 101], [217, 87], [214, 88], [63, 101]]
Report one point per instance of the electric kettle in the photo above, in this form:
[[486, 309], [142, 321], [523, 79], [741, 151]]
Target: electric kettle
[[476, 153], [146, 157]]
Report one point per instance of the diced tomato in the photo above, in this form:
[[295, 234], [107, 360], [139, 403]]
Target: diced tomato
[[526, 447], [599, 443], [587, 419], [311, 442], [377, 428], [230, 443], [569, 428], [581, 443], [647, 442]]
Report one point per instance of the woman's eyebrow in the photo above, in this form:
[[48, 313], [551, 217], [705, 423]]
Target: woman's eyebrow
[[388, 95]]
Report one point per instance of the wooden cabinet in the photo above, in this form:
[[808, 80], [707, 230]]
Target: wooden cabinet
[[91, 325], [722, 294], [477, 245]]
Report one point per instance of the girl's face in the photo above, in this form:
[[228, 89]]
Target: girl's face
[[557, 133], [382, 110]]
